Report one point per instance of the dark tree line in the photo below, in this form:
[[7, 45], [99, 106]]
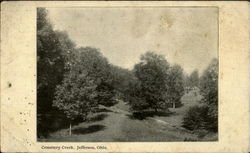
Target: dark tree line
[[70, 80], [54, 51]]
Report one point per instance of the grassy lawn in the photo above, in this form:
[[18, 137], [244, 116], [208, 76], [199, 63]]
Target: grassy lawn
[[120, 127], [188, 100], [116, 124]]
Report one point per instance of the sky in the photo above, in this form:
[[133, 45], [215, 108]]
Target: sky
[[185, 36]]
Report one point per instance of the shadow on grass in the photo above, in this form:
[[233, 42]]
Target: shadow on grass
[[90, 129], [143, 115], [98, 117], [53, 121]]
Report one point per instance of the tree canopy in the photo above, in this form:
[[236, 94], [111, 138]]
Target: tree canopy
[[52, 48], [152, 74], [175, 84], [86, 85]]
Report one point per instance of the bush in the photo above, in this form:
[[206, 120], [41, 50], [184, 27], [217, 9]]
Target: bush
[[200, 118], [194, 118]]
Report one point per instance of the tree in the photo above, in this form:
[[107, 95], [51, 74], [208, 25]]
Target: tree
[[76, 97], [175, 85], [121, 79], [96, 66], [134, 96], [206, 116], [152, 75], [52, 53], [209, 83], [209, 92], [67, 47], [53, 50], [194, 79], [86, 85]]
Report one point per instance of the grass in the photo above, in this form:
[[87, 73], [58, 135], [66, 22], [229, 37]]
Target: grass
[[116, 124], [150, 131], [188, 100]]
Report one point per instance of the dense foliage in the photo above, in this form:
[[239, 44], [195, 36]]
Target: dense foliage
[[53, 49], [206, 115], [209, 91], [76, 79], [86, 85], [196, 118], [175, 85], [151, 88], [156, 84], [121, 78]]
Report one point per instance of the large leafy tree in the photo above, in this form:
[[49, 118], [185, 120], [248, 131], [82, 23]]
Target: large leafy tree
[[152, 75], [53, 48], [86, 85], [76, 97], [97, 67], [175, 84]]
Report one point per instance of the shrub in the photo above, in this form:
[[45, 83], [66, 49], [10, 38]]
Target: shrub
[[199, 118], [195, 117]]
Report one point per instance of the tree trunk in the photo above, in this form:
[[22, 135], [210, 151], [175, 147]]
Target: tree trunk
[[69, 128], [173, 105]]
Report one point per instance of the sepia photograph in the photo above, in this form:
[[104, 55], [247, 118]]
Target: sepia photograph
[[127, 74], [124, 76]]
